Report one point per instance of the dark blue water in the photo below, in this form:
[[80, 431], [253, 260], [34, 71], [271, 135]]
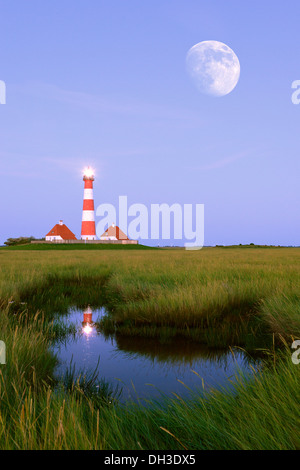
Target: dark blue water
[[145, 367]]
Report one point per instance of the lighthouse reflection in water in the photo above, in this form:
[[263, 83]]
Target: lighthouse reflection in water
[[87, 324], [144, 367]]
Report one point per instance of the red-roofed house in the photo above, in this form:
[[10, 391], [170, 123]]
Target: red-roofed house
[[114, 233], [60, 232]]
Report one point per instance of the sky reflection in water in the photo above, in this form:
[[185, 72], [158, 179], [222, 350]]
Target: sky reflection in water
[[145, 367]]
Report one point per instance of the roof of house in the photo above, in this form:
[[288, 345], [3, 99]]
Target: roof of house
[[115, 231], [63, 231]]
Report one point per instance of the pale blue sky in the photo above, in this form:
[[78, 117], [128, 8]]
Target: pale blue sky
[[104, 83]]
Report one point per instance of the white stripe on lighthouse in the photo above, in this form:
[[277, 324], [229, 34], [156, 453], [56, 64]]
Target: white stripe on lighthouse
[[88, 194], [88, 216]]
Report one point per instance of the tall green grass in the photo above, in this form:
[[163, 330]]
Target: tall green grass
[[217, 297], [214, 296]]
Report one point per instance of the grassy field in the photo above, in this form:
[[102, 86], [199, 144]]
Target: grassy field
[[221, 297]]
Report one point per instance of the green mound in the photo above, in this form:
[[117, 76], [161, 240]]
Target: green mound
[[77, 246]]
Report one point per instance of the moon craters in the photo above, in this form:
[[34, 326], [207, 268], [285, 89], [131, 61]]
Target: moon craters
[[214, 67]]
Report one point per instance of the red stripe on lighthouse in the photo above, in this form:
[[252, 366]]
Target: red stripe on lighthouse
[[88, 184], [88, 204], [88, 229]]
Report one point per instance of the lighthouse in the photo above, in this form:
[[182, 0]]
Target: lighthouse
[[88, 229], [87, 324], [87, 316]]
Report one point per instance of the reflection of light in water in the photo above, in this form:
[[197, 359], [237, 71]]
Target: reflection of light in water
[[143, 361], [87, 329]]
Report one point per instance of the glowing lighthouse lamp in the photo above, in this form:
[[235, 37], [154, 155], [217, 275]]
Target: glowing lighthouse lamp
[[87, 324], [88, 228]]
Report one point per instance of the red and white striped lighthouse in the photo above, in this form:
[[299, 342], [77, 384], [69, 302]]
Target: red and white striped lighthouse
[[88, 228], [87, 316]]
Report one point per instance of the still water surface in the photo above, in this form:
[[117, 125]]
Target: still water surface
[[144, 367]]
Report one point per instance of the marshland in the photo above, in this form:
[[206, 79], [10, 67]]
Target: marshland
[[243, 299]]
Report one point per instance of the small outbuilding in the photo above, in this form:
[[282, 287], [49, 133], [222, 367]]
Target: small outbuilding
[[60, 232], [114, 233]]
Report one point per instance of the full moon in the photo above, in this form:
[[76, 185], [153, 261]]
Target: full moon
[[214, 67]]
